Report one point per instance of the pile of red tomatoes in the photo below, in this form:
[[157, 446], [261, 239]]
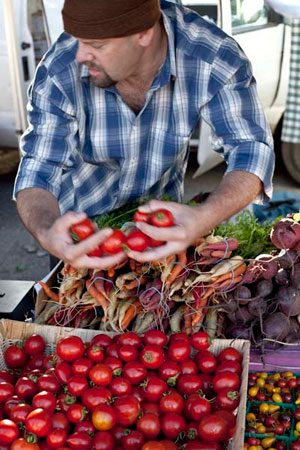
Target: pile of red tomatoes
[[127, 392]]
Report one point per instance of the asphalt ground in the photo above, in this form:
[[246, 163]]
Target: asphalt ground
[[23, 259]]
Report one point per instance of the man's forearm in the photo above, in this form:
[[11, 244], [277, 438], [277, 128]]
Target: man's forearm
[[235, 192], [38, 210]]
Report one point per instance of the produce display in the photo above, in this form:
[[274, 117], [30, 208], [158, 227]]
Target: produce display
[[273, 411], [219, 284], [122, 392]]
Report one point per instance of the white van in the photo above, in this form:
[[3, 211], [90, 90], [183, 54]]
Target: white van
[[263, 34]]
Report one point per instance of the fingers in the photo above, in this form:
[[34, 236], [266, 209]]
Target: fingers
[[175, 233], [68, 219], [157, 253], [154, 205], [87, 245], [105, 262]]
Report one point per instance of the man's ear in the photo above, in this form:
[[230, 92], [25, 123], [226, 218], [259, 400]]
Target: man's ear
[[145, 37]]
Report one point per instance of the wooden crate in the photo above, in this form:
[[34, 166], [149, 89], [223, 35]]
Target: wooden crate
[[10, 331]]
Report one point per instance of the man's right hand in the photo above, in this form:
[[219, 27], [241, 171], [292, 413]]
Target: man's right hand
[[57, 240]]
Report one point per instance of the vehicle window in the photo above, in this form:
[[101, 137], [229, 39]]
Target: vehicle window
[[248, 13], [209, 11]]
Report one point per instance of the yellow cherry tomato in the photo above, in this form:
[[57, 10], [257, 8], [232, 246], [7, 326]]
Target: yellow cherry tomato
[[253, 391], [296, 434], [288, 374], [264, 408], [273, 408], [269, 388], [261, 429], [296, 217], [276, 390], [276, 376], [297, 402], [251, 417], [267, 442], [253, 447], [263, 375], [260, 382], [297, 427], [277, 398]]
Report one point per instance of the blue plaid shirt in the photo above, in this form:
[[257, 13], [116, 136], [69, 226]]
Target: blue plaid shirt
[[94, 154]]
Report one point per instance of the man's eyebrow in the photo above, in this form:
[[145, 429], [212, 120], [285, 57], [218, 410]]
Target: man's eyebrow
[[92, 41]]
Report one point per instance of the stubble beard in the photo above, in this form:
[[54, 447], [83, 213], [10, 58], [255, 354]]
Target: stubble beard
[[103, 80]]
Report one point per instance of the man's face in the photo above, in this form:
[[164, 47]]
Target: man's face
[[109, 60]]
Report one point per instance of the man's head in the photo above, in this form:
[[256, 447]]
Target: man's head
[[111, 34]]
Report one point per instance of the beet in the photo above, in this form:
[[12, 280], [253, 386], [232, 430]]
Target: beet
[[277, 326], [285, 233], [238, 331], [264, 288], [242, 314], [257, 307], [295, 276], [242, 295], [269, 266], [287, 258], [289, 300], [282, 277]]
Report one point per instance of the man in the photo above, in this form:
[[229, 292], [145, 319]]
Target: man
[[111, 110]]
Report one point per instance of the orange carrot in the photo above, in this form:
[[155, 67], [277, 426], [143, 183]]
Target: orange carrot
[[231, 274], [111, 272], [49, 292], [220, 253], [134, 309], [229, 282], [135, 283], [98, 296], [202, 302], [177, 269], [132, 264], [187, 320]]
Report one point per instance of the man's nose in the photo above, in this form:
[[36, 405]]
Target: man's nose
[[83, 54]]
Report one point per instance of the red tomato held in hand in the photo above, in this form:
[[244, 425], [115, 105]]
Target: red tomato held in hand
[[161, 218], [113, 244], [137, 241], [70, 348], [34, 344], [140, 216], [96, 253], [82, 230]]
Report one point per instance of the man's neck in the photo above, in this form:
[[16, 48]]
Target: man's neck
[[150, 64]]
